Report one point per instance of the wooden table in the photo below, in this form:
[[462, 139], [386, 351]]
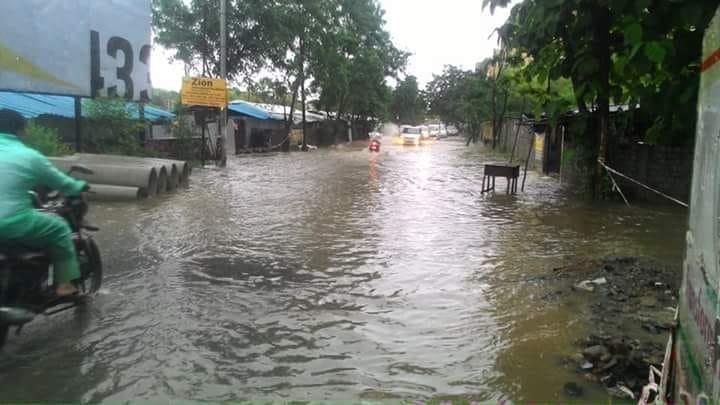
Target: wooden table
[[492, 170]]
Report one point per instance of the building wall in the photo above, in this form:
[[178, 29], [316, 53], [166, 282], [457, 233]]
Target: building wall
[[525, 142], [249, 132], [664, 168]]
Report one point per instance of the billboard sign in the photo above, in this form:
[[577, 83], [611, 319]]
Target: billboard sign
[[76, 47], [204, 91], [697, 368]]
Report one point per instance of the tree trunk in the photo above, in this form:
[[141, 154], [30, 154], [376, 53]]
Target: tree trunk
[[579, 97], [289, 119], [494, 112], [601, 49]]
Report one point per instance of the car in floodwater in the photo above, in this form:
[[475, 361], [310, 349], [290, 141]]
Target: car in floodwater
[[411, 135], [424, 132], [443, 132], [433, 130], [452, 130]]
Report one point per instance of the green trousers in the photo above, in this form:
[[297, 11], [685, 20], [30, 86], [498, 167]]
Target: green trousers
[[43, 231]]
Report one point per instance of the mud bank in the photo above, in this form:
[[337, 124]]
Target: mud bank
[[632, 304]]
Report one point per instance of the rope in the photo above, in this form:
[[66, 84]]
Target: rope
[[616, 187], [611, 170]]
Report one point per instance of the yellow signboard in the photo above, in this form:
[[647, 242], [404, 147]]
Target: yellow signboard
[[204, 91]]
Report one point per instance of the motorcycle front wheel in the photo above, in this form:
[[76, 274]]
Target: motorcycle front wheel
[[91, 268]]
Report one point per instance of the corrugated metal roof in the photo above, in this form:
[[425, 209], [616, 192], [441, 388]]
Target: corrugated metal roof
[[31, 105], [245, 108], [273, 111]]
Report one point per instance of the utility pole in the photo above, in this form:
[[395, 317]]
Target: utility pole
[[223, 74], [302, 89]]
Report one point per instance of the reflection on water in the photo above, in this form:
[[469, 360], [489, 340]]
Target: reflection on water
[[331, 275]]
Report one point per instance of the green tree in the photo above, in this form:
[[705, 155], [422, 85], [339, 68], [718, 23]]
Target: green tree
[[113, 127], [191, 29], [408, 106], [444, 95], [45, 140], [624, 51]]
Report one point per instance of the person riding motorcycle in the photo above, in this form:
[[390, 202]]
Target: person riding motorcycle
[[22, 169]]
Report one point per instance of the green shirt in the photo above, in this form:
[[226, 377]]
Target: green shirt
[[22, 169]]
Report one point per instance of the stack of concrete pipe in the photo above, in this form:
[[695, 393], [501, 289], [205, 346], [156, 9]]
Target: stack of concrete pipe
[[126, 177]]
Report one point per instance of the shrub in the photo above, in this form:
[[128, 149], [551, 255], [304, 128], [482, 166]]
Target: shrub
[[45, 140]]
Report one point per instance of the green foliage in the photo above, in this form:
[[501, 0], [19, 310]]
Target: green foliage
[[45, 140], [113, 128], [408, 106], [465, 97], [166, 99], [191, 30], [339, 46], [654, 49]]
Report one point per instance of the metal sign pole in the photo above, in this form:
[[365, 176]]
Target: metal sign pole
[[223, 73], [78, 124]]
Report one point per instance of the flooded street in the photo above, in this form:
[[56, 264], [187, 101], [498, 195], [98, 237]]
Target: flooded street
[[337, 274]]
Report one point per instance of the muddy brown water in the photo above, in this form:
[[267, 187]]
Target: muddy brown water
[[336, 274]]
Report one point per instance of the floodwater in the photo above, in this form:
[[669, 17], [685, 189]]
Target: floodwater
[[336, 274]]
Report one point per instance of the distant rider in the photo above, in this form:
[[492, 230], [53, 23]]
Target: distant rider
[[21, 170]]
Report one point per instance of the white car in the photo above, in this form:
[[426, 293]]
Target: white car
[[434, 130], [443, 132], [452, 130], [411, 135], [424, 132]]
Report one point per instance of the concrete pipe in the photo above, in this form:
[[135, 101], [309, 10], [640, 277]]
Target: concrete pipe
[[162, 180], [184, 169], [173, 179], [104, 192], [128, 175]]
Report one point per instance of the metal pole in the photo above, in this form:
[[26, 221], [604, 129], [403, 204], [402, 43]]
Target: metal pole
[[78, 124], [202, 143], [527, 161], [223, 74], [302, 89]]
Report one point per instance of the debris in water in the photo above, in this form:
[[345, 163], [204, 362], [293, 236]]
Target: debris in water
[[585, 285]]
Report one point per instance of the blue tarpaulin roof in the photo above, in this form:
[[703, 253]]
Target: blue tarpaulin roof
[[31, 105], [249, 110]]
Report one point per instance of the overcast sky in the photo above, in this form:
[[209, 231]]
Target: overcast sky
[[436, 32]]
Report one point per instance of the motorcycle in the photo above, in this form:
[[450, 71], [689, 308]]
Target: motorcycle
[[26, 285], [374, 146]]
